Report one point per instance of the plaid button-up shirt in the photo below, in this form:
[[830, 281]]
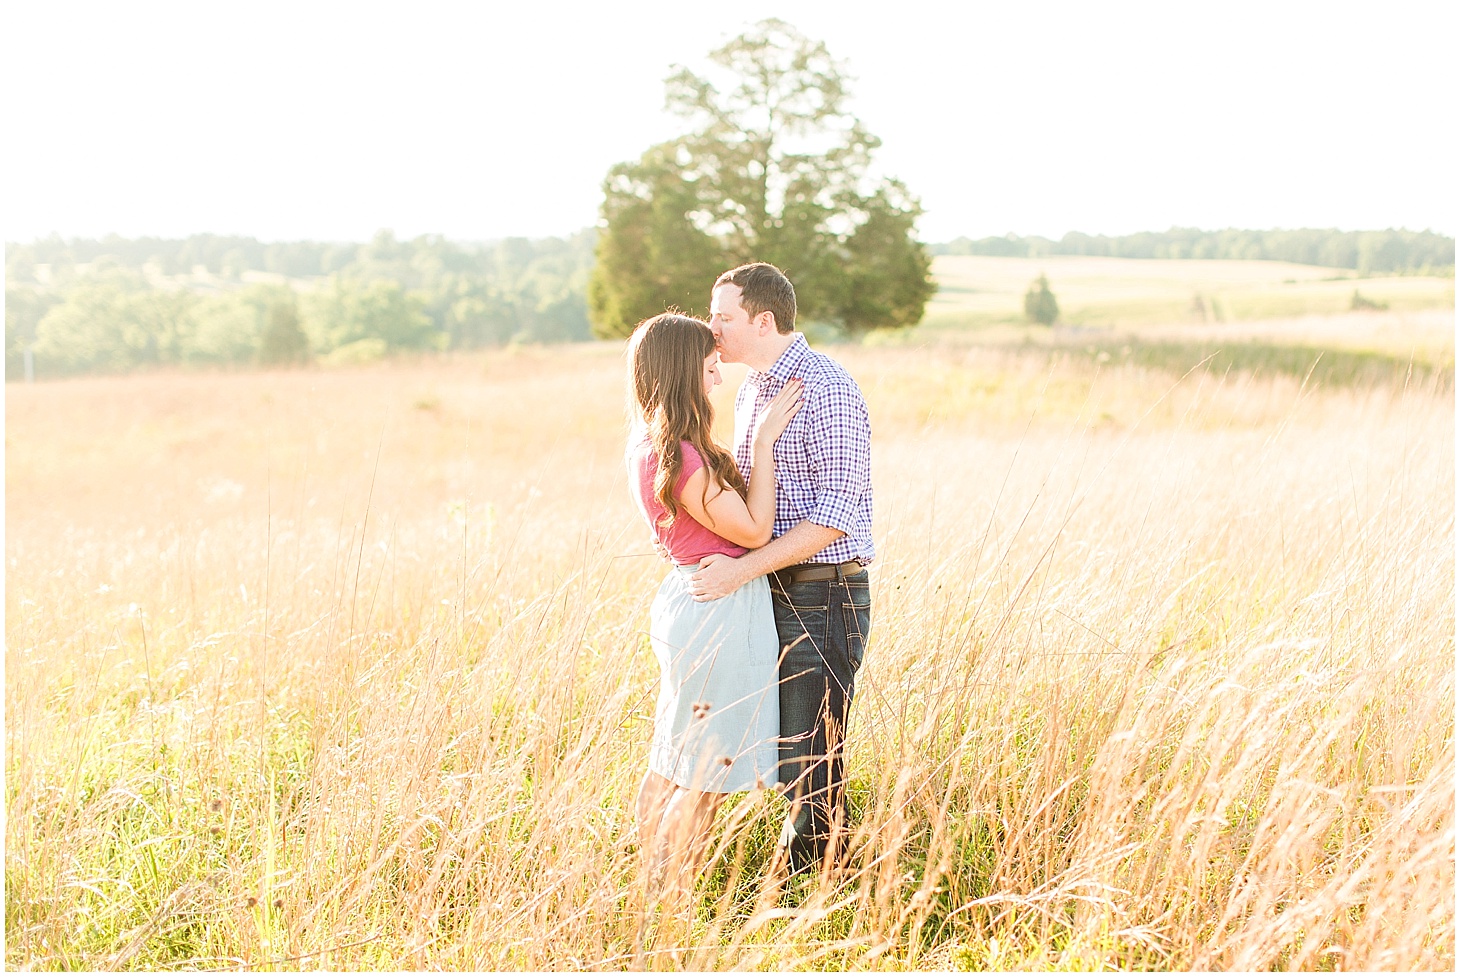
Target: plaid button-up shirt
[[824, 457]]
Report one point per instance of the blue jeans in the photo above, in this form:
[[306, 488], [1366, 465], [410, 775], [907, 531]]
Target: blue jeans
[[823, 627]]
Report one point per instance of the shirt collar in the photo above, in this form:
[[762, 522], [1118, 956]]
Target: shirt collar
[[786, 365]]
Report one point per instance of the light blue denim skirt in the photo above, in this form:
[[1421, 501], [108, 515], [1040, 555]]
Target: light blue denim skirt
[[717, 724]]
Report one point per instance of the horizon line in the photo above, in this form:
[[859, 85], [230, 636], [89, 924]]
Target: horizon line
[[1008, 235]]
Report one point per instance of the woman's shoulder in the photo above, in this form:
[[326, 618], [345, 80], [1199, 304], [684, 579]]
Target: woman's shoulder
[[691, 460], [641, 455]]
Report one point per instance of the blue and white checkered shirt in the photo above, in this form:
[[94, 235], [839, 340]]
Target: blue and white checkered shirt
[[824, 457]]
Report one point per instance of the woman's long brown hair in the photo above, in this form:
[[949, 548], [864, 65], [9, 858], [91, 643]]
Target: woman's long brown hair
[[666, 372]]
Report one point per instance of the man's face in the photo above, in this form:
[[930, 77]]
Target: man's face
[[735, 334]]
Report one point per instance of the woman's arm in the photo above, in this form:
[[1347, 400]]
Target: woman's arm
[[748, 521]]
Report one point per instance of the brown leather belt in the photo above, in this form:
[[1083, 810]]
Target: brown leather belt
[[811, 572]]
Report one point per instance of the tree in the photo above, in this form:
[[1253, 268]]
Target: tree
[[115, 323], [651, 256], [352, 310], [25, 306], [228, 329], [1039, 303], [775, 168], [283, 342]]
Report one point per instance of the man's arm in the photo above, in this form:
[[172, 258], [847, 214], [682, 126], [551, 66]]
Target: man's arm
[[719, 576]]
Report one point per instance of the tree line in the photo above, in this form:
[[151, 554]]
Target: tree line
[[115, 304], [1393, 251], [772, 166]]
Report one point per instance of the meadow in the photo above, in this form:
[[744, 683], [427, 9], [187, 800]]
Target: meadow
[[348, 669], [1134, 293]]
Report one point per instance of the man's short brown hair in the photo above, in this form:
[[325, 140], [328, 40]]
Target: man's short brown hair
[[764, 288]]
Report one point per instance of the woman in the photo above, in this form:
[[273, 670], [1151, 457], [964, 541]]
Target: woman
[[718, 715]]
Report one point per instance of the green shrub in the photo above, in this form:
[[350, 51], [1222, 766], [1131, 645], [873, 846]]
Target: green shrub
[[1039, 303], [360, 352], [1358, 303]]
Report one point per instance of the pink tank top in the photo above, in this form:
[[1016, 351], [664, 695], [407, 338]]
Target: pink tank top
[[686, 540]]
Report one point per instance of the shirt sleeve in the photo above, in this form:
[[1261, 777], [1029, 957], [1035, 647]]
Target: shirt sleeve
[[692, 463], [839, 446]]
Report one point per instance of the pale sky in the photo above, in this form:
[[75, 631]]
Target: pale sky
[[329, 121]]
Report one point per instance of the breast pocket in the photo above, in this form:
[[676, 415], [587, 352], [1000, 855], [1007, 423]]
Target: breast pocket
[[792, 442]]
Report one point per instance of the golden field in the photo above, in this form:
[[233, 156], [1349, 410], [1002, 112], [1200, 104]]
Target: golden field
[[1135, 293], [348, 669]]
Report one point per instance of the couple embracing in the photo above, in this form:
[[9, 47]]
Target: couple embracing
[[760, 627]]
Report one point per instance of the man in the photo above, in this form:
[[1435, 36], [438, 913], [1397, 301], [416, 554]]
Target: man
[[822, 542]]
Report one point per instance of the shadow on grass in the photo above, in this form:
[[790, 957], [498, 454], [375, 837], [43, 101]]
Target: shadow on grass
[[1320, 366]]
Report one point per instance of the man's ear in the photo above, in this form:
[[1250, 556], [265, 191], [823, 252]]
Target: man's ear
[[765, 323]]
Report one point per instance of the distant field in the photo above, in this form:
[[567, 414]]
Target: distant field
[[1125, 293]]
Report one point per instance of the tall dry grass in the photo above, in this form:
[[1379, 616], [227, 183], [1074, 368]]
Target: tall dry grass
[[349, 670]]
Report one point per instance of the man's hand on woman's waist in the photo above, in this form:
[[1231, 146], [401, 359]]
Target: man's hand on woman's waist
[[720, 576]]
